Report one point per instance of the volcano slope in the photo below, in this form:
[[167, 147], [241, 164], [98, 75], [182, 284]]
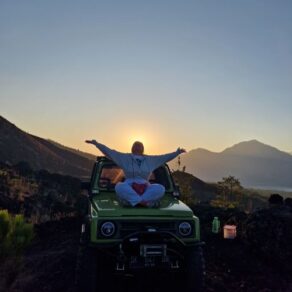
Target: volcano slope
[[231, 265]]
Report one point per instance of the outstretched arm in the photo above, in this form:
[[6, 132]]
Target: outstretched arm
[[114, 155], [158, 160]]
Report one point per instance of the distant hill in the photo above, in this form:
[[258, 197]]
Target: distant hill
[[76, 151], [16, 146], [254, 163], [194, 187]]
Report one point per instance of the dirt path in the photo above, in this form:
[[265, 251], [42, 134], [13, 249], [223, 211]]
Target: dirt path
[[49, 266]]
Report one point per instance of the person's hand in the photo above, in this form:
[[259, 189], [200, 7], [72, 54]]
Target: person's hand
[[182, 150], [91, 142]]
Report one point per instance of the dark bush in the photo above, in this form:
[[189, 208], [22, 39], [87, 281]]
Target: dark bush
[[275, 199], [15, 234], [288, 202]]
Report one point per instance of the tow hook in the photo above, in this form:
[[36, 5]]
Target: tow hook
[[120, 266], [175, 265], [121, 259]]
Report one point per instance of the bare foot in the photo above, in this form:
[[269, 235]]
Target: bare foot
[[143, 203]]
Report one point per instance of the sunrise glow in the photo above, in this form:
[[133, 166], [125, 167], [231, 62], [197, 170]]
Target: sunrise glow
[[192, 75], [141, 138]]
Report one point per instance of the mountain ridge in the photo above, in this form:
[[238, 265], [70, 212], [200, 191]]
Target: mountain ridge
[[256, 164], [237, 145], [17, 145]]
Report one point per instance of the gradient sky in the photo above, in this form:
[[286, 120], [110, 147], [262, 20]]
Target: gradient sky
[[170, 73]]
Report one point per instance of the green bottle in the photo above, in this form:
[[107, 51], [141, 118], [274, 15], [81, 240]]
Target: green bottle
[[215, 225]]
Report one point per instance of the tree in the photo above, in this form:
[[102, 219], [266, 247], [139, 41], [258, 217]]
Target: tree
[[229, 192], [229, 187]]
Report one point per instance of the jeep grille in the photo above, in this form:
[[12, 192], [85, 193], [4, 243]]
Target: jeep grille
[[127, 228]]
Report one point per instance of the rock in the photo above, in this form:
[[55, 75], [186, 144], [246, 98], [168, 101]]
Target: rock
[[269, 232]]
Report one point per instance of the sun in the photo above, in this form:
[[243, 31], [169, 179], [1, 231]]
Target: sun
[[140, 138], [145, 135]]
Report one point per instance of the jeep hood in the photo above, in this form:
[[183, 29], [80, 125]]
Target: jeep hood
[[107, 205]]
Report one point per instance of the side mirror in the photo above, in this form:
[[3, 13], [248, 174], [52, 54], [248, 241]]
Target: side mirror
[[85, 185], [176, 191]]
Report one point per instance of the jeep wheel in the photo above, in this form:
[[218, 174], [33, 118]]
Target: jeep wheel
[[86, 270], [194, 270], [93, 271]]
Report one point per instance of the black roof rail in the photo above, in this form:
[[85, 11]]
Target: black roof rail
[[102, 158]]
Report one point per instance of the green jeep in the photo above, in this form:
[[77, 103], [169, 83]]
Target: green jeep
[[119, 240]]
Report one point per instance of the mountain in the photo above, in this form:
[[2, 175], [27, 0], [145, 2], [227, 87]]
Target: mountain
[[254, 163], [76, 151], [17, 145]]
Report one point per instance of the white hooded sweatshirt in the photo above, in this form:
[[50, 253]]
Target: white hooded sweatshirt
[[137, 166]]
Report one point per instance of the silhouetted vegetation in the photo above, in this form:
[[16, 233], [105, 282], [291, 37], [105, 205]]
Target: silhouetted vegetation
[[15, 234], [276, 199], [229, 193], [39, 195], [192, 189]]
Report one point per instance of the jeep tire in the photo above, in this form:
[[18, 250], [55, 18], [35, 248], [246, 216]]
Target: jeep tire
[[194, 274], [86, 270]]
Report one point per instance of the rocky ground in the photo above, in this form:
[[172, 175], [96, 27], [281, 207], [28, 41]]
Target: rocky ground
[[232, 265], [49, 263]]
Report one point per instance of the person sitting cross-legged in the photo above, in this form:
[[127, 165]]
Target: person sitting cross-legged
[[137, 166]]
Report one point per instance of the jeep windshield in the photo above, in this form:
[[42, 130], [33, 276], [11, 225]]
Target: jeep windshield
[[110, 174]]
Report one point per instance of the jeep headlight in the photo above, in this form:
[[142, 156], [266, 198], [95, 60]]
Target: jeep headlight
[[185, 228], [107, 229]]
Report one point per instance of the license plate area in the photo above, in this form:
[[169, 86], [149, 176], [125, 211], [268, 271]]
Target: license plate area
[[153, 250]]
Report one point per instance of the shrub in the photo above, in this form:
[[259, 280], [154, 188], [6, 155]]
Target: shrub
[[275, 200], [15, 234], [5, 224]]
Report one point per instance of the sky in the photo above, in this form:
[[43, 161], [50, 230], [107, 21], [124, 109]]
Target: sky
[[205, 74]]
